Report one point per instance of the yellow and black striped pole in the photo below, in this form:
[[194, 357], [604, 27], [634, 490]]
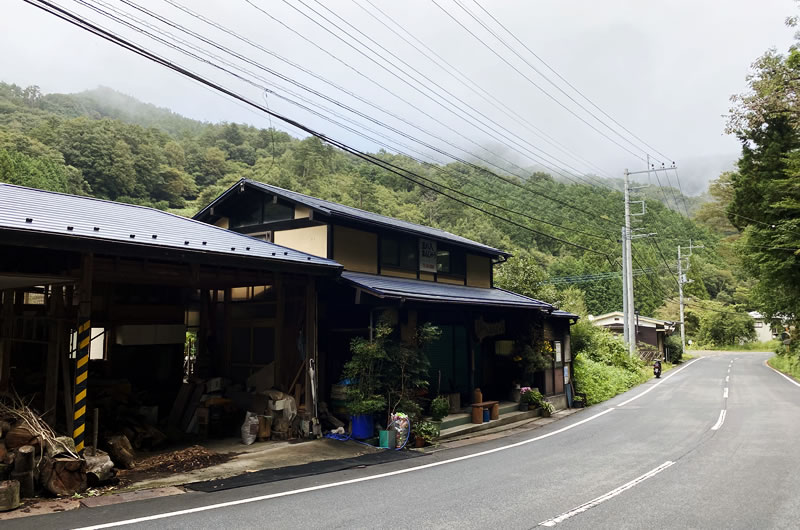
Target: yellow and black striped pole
[[81, 376]]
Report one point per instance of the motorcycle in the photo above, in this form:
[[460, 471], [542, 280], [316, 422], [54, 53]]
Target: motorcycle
[[657, 369]]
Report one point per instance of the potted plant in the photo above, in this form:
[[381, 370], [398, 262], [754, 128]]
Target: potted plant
[[425, 432], [364, 394], [440, 407], [526, 398]]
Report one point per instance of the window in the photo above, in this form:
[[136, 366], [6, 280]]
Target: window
[[399, 252], [255, 208], [451, 260]]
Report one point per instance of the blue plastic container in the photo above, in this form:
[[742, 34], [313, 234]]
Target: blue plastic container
[[486, 415], [363, 426]]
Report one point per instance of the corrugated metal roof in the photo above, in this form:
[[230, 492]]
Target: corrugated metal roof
[[390, 287], [335, 209], [618, 315], [39, 211], [564, 314]]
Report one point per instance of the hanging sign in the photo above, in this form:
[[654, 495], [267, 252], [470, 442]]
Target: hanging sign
[[427, 255]]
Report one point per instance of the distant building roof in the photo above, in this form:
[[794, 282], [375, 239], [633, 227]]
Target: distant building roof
[[348, 212], [32, 211], [425, 291], [615, 318]]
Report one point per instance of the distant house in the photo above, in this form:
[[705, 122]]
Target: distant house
[[407, 274], [764, 327], [649, 331]]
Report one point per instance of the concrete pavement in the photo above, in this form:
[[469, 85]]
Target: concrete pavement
[[742, 475]]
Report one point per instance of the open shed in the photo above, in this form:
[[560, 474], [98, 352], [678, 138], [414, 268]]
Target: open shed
[[98, 296]]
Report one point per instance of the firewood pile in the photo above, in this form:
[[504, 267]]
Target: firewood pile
[[34, 459]]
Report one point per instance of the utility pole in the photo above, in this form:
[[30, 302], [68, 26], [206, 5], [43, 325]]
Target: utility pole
[[628, 305], [681, 281], [627, 271], [625, 287]]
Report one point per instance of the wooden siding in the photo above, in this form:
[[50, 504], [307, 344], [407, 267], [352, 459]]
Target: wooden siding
[[356, 250], [312, 239], [479, 270]]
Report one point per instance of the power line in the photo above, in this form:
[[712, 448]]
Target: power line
[[532, 82], [357, 132], [477, 89], [442, 101], [666, 158], [441, 88], [481, 169], [116, 39], [459, 159]]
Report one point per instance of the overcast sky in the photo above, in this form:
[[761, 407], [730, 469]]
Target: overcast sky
[[663, 70]]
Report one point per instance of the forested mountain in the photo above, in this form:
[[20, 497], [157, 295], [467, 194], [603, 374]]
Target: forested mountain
[[109, 145]]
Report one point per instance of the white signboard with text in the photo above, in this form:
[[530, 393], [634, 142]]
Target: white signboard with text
[[427, 255]]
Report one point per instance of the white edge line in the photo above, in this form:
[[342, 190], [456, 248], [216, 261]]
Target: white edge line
[[610, 495], [662, 380], [341, 483], [720, 421], [792, 381]]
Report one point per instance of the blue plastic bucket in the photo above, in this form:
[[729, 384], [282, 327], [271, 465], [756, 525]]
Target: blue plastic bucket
[[363, 426], [486, 415]]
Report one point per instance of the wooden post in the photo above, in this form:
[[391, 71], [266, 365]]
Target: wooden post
[[227, 335], [280, 327], [82, 357], [54, 339], [311, 344], [6, 330]]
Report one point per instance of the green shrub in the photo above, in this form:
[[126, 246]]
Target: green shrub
[[603, 367], [600, 381], [440, 407], [673, 342]]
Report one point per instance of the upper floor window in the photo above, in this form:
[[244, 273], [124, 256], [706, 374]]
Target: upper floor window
[[399, 252], [450, 260], [256, 208]]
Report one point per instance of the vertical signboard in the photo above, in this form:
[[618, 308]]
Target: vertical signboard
[[427, 255]]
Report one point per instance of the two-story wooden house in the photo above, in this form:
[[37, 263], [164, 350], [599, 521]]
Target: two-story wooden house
[[409, 274]]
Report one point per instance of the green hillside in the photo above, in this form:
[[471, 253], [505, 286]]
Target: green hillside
[[109, 145]]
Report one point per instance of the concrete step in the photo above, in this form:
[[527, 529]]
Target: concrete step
[[465, 416], [507, 416]]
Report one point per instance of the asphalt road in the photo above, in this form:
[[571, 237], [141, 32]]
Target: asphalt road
[[661, 456]]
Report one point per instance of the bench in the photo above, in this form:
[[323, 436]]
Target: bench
[[477, 410]]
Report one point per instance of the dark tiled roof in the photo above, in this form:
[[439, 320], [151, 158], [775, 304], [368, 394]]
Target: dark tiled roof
[[339, 210], [38, 211], [390, 287]]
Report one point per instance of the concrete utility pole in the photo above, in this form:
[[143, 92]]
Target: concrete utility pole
[[628, 305], [681, 281], [625, 287], [627, 271]]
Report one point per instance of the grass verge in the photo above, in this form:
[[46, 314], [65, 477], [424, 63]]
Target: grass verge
[[788, 364]]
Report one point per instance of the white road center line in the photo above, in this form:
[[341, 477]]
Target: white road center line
[[652, 387], [720, 421], [610, 495], [727, 378], [792, 381], [725, 393]]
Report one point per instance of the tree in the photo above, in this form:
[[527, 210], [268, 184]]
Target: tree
[[525, 276], [765, 205]]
